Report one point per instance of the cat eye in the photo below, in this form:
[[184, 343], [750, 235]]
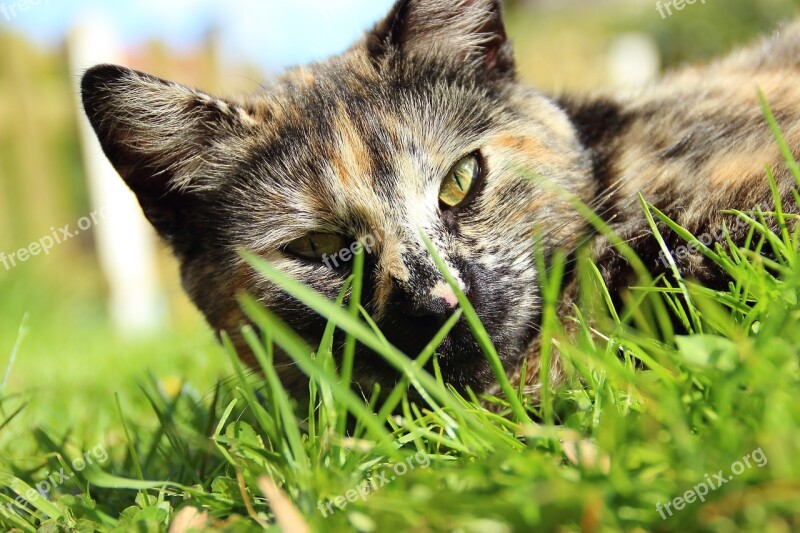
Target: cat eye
[[460, 181], [316, 245]]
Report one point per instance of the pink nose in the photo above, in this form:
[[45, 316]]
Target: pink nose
[[443, 291], [449, 297]]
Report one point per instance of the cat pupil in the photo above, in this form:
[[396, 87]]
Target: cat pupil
[[313, 246], [459, 181], [457, 178]]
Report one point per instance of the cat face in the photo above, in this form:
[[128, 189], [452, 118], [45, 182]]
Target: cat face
[[420, 127]]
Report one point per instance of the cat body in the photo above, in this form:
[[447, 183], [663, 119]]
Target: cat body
[[423, 126]]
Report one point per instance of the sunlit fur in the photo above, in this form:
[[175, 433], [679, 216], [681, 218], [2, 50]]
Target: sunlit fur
[[360, 144]]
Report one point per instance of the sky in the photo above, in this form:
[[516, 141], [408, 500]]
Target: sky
[[271, 33]]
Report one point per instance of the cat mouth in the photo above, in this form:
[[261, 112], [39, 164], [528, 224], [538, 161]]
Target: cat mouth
[[460, 357]]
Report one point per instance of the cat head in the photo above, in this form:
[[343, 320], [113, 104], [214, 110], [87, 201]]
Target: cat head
[[420, 126]]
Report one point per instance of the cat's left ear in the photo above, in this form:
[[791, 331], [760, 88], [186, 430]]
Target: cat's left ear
[[471, 31]]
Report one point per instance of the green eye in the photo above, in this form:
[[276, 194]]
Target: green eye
[[460, 181], [317, 245]]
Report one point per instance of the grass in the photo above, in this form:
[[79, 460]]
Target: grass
[[616, 443]]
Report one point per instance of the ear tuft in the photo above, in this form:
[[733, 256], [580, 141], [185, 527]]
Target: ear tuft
[[471, 31]]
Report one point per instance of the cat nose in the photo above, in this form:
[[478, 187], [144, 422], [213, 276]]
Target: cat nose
[[430, 308], [438, 304]]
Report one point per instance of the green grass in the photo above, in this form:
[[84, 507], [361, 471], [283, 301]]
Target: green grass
[[614, 441]]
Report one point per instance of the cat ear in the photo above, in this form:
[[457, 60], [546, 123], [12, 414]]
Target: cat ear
[[168, 142], [469, 30]]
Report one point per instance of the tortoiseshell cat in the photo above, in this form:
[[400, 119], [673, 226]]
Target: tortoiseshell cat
[[422, 124]]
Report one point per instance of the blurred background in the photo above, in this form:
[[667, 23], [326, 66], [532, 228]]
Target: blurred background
[[103, 310]]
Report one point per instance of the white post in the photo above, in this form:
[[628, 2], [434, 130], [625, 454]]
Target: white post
[[126, 245], [633, 61]]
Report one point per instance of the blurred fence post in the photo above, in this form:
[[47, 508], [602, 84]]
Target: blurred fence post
[[126, 245], [633, 60]]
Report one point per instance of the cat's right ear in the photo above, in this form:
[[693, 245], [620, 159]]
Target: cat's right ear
[[168, 142], [469, 31]]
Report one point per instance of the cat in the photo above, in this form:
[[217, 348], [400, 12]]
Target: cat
[[423, 125]]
